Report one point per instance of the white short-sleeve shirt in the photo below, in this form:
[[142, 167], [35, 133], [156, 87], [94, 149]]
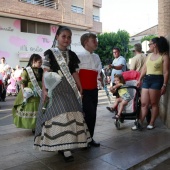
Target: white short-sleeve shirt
[[117, 62]]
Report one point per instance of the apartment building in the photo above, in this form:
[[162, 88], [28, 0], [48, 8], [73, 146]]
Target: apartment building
[[29, 26]]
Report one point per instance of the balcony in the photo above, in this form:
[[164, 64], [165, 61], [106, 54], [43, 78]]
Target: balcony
[[97, 3], [97, 27], [45, 3]]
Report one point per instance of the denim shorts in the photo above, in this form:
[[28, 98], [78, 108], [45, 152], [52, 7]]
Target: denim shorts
[[153, 82], [126, 97]]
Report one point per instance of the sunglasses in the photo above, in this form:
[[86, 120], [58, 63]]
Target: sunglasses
[[150, 44]]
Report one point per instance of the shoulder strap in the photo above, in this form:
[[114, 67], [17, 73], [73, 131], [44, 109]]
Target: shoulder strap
[[34, 80], [65, 70]]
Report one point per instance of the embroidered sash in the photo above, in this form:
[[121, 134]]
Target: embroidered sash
[[34, 80], [65, 70]]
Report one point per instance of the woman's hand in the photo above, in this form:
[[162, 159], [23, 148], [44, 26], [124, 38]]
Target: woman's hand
[[138, 83], [45, 95], [163, 90]]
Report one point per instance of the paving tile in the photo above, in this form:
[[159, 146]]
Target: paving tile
[[57, 162], [162, 166], [137, 152], [94, 152], [120, 149], [101, 136], [89, 165], [95, 165], [30, 166], [167, 162], [16, 159]]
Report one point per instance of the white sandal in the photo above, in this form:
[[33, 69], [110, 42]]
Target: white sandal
[[150, 127]]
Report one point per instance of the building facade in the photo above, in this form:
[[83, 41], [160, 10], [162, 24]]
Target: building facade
[[138, 37], [29, 26]]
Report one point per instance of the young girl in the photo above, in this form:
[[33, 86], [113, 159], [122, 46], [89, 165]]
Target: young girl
[[62, 126], [25, 116], [124, 96]]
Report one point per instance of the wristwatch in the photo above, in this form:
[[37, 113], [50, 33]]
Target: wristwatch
[[164, 85]]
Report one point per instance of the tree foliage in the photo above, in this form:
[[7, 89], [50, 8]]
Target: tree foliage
[[148, 38], [107, 41]]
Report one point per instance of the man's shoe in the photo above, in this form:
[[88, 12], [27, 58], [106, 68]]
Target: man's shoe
[[93, 143]]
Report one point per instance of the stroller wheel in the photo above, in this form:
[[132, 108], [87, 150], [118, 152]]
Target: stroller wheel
[[139, 127], [121, 120], [117, 124]]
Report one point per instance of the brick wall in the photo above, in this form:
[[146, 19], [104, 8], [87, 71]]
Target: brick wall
[[63, 15], [164, 17], [19, 9], [164, 30]]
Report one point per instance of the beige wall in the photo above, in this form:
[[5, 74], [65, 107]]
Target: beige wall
[[164, 30], [79, 3]]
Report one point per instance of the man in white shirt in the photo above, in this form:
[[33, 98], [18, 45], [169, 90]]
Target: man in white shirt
[[3, 66], [118, 65]]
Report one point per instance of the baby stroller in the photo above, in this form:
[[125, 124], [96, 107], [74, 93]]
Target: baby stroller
[[132, 109]]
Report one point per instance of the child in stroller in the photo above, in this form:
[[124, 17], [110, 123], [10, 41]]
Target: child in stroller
[[131, 109], [123, 98]]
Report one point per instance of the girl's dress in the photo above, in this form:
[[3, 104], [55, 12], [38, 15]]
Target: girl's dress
[[25, 116], [124, 94], [62, 126], [11, 88]]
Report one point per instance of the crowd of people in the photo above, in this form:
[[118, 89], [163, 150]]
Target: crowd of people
[[57, 97], [9, 79]]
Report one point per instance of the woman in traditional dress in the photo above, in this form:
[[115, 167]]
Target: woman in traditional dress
[[25, 109], [62, 127]]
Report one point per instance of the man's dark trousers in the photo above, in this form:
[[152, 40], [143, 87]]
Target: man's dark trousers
[[90, 100]]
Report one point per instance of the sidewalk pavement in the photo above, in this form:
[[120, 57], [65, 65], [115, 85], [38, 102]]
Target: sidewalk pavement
[[120, 149]]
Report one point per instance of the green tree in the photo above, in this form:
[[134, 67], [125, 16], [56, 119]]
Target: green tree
[[148, 38], [107, 41]]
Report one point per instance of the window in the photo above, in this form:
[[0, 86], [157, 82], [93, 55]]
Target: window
[[31, 27], [77, 9], [46, 3], [96, 18], [35, 27], [96, 14]]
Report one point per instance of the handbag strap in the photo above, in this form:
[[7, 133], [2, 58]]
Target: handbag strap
[[65, 70], [34, 80]]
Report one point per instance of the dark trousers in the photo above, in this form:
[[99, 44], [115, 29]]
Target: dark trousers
[[2, 93], [90, 100], [1, 90]]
